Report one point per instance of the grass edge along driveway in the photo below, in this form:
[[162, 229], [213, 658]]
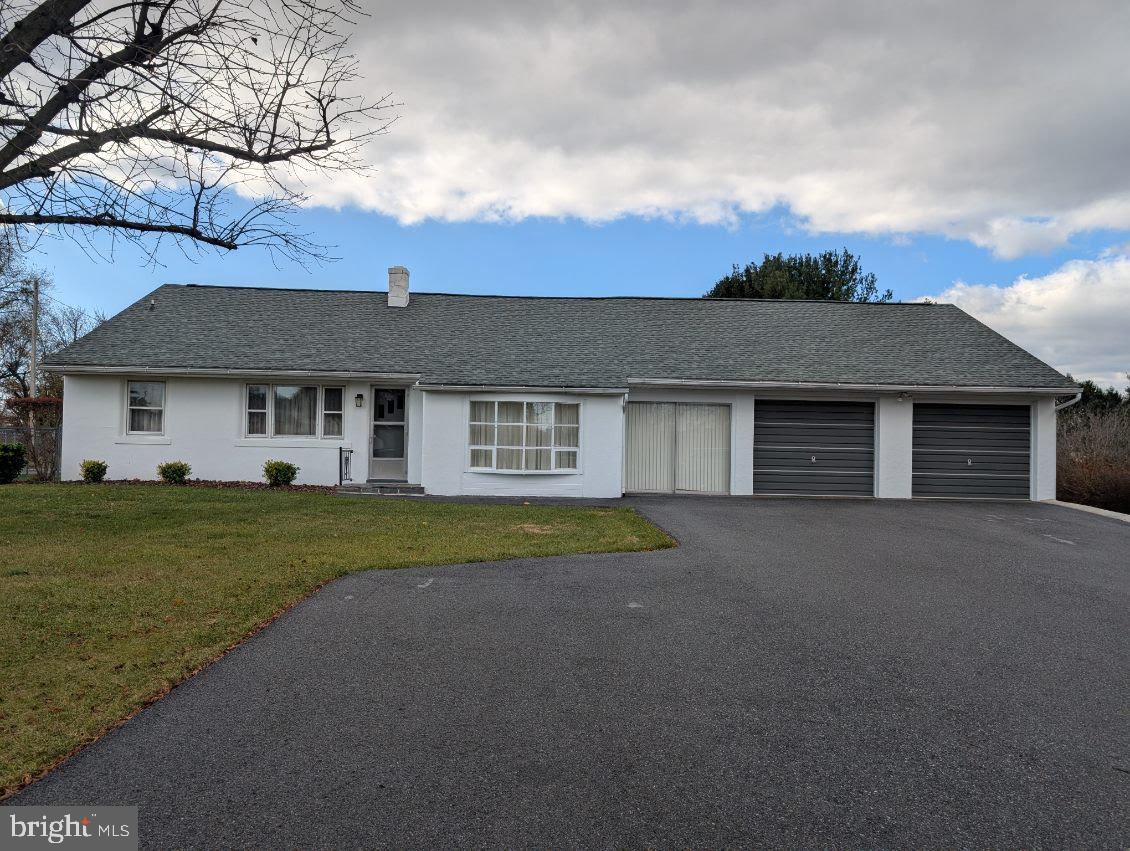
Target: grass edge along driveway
[[112, 594]]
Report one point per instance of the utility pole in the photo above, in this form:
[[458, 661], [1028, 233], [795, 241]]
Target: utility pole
[[33, 365], [33, 362]]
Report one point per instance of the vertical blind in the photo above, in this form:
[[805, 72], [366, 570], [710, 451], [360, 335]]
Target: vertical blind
[[677, 447], [650, 449], [702, 448]]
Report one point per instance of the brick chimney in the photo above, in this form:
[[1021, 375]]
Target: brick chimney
[[397, 286]]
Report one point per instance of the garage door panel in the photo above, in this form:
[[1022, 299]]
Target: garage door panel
[[976, 451], [963, 439], [813, 448], [953, 416], [842, 436], [807, 412], [789, 483], [958, 463], [794, 457], [987, 481], [986, 487]]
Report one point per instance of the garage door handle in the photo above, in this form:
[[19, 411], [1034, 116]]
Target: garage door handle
[[813, 459], [969, 462]]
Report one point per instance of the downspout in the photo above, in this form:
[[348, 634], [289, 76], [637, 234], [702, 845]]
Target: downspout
[[1059, 406]]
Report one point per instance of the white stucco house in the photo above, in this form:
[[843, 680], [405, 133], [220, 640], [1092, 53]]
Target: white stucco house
[[585, 397]]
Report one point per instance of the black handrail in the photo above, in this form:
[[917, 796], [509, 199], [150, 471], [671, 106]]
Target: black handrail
[[344, 465]]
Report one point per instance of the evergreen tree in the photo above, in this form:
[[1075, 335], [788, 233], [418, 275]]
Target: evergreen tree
[[828, 276]]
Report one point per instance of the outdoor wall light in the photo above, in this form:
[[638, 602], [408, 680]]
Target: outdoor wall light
[[359, 400]]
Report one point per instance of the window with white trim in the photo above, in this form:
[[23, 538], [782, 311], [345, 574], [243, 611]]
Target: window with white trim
[[332, 400], [293, 410], [528, 437], [145, 407], [257, 410]]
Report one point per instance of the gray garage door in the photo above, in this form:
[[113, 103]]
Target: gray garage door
[[971, 451], [814, 448]]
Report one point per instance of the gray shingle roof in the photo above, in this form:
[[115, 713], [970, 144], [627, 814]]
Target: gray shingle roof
[[577, 342]]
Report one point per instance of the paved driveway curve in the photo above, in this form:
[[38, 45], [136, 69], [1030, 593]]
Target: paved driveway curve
[[797, 673]]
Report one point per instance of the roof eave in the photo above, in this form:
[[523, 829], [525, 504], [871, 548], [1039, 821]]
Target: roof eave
[[221, 372], [684, 383], [524, 388]]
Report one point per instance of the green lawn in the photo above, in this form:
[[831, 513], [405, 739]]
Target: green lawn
[[110, 594]]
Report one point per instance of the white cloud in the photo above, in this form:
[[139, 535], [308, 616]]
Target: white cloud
[[996, 123], [1076, 318]]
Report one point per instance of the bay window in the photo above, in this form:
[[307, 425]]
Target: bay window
[[291, 410], [529, 437]]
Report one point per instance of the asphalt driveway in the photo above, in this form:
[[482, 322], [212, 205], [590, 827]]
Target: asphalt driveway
[[798, 672]]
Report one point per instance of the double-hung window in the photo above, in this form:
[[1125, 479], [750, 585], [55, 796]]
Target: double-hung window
[[145, 407], [529, 437], [293, 410], [257, 410], [332, 400]]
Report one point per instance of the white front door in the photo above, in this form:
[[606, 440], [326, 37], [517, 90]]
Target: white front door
[[388, 438]]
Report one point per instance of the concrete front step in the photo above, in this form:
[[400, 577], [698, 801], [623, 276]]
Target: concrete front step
[[379, 488]]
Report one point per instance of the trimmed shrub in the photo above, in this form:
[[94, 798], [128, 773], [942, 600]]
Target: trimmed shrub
[[12, 460], [174, 472], [279, 473], [93, 471]]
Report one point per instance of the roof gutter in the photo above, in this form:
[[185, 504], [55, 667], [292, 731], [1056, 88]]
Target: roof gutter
[[414, 378], [1059, 406], [511, 388], [82, 369], [811, 385]]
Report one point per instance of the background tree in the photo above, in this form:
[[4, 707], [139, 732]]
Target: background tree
[[1099, 399], [15, 276], [185, 119], [828, 276], [59, 326], [1093, 455]]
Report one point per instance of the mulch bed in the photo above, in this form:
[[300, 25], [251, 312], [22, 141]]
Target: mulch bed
[[201, 483]]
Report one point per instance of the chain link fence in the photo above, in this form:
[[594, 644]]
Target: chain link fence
[[43, 447]]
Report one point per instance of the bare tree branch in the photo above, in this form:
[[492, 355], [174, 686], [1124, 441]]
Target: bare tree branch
[[42, 22], [198, 120], [113, 222]]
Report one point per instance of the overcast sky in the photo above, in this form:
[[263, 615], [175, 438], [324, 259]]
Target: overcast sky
[[975, 151]]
